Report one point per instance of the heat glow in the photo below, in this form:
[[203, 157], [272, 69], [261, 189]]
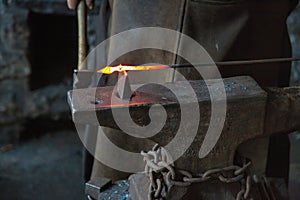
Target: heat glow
[[124, 68]]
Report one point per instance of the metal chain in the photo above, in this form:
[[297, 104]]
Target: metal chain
[[163, 175]]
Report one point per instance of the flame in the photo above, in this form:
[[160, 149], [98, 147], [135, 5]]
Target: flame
[[124, 68]]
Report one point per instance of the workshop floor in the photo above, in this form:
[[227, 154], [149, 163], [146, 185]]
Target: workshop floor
[[49, 168]]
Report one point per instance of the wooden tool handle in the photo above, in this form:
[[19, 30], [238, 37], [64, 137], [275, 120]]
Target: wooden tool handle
[[82, 39]]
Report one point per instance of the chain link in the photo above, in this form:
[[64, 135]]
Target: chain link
[[163, 175]]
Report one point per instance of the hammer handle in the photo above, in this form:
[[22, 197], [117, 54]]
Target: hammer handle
[[82, 39]]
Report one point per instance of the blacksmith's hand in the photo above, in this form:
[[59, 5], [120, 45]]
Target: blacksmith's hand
[[72, 4]]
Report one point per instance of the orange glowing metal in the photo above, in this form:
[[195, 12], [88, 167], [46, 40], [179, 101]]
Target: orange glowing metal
[[124, 68]]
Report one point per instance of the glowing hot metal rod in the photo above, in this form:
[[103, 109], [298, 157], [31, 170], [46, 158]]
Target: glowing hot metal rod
[[124, 68]]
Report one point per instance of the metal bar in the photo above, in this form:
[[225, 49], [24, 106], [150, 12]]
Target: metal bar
[[237, 62], [120, 68]]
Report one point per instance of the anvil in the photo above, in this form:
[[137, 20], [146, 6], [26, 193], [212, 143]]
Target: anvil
[[252, 112]]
